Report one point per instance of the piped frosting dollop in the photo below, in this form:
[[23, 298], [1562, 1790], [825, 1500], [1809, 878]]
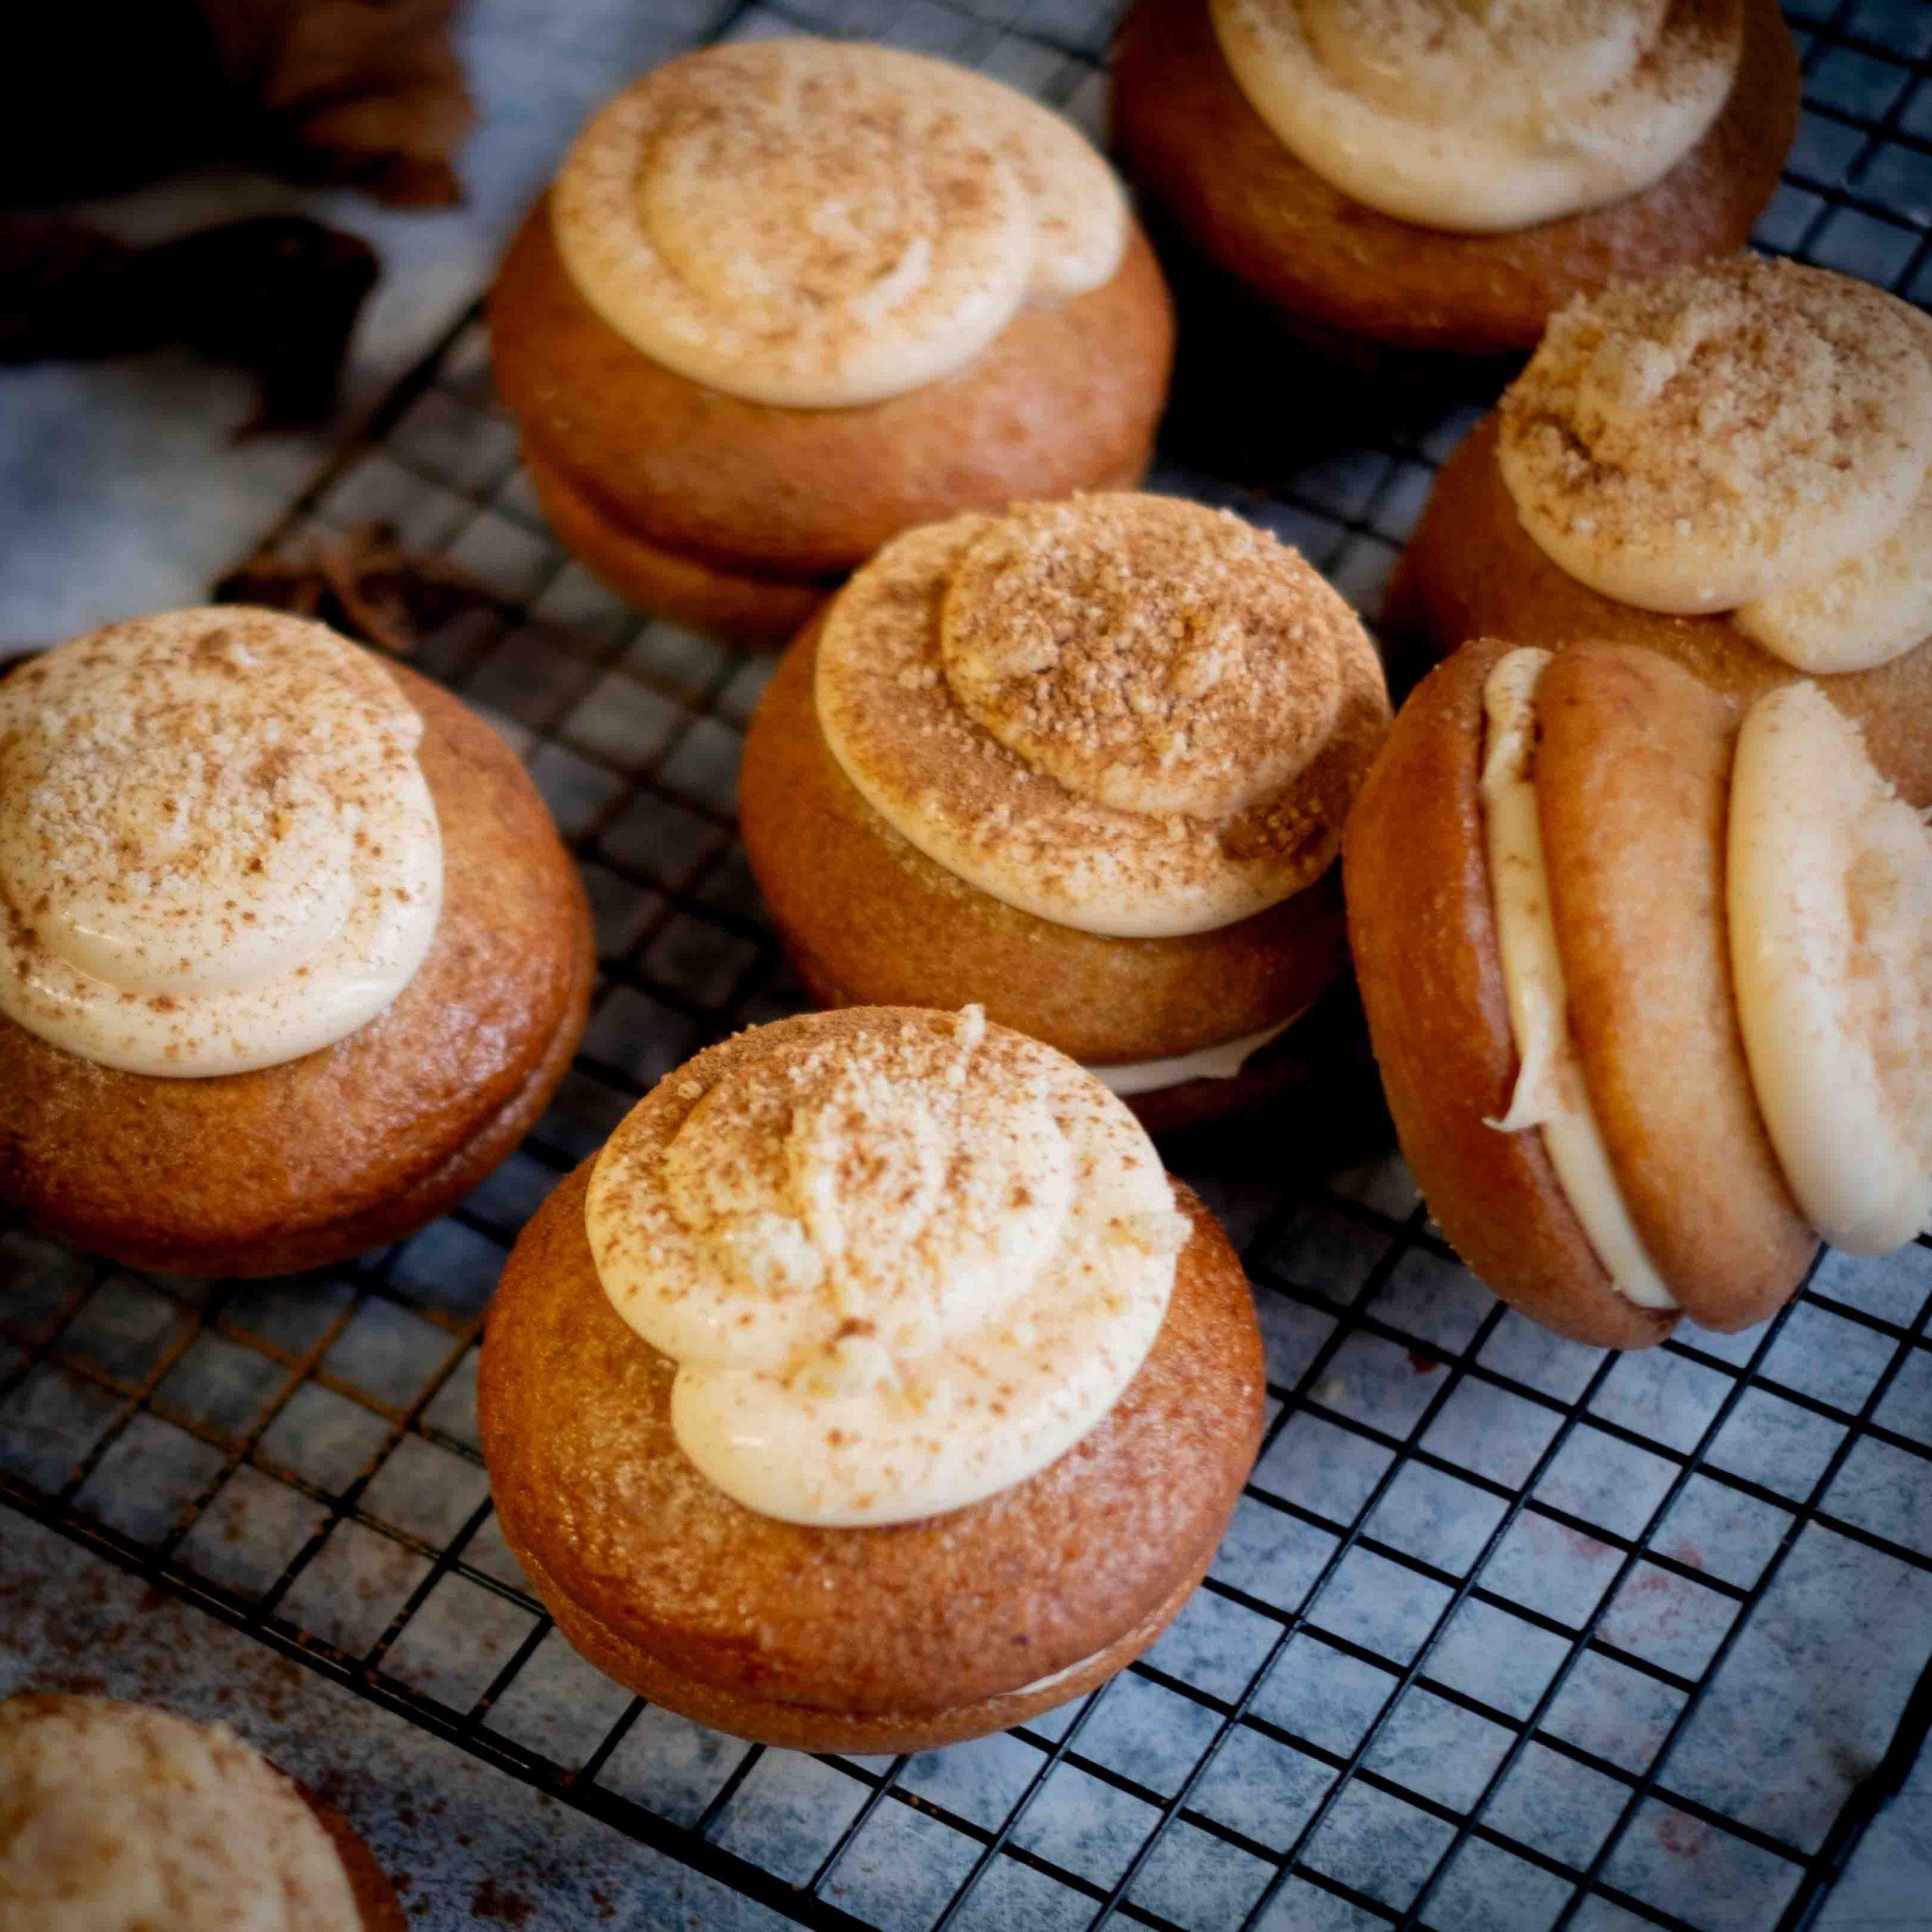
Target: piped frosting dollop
[[1485, 117], [114, 1817], [1127, 714], [903, 1259], [217, 849], [1829, 894], [817, 224], [1749, 435]]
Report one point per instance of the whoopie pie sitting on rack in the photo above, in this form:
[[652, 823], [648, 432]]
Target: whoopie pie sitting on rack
[[874, 1388], [1392, 176], [118, 1815], [788, 298], [292, 956], [1649, 979], [1085, 763], [1731, 464]]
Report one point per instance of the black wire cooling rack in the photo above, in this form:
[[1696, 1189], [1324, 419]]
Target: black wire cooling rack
[[1507, 1634]]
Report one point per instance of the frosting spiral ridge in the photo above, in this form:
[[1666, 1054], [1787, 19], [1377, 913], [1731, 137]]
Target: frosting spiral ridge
[[903, 1259], [816, 224], [217, 850], [1481, 118], [1127, 714], [1747, 435]]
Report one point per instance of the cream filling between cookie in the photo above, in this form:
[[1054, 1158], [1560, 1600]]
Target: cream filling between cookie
[[817, 225], [1128, 1078], [1550, 1095], [1048, 1682], [901, 1268], [1482, 119]]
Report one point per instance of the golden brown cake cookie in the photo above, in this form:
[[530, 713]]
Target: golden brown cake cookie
[[752, 609], [971, 868], [1582, 898], [289, 1164], [123, 1814], [1211, 168], [1633, 790], [885, 1628], [706, 489], [1473, 569]]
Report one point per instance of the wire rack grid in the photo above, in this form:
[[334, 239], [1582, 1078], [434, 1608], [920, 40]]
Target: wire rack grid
[[1506, 1633]]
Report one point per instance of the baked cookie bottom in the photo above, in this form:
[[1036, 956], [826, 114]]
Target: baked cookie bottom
[[320, 1245], [762, 613], [1283, 1066], [804, 1727], [740, 606]]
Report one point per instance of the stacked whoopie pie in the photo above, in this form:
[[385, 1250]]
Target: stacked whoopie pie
[[1649, 983], [292, 956], [1086, 764], [1730, 464], [789, 298], [873, 1388]]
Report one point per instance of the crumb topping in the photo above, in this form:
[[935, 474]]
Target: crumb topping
[[1123, 712], [1153, 655], [1420, 56], [1720, 433]]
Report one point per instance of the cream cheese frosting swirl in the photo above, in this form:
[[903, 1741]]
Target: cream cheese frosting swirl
[[1750, 435], [116, 1818], [1480, 116], [217, 849], [816, 224], [903, 1259], [1829, 893], [1130, 715]]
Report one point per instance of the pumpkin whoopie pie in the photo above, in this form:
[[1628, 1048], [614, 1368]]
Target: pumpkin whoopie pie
[[1427, 176], [1650, 984], [788, 298], [291, 954], [872, 1389], [120, 1815], [1085, 763], [1731, 464]]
